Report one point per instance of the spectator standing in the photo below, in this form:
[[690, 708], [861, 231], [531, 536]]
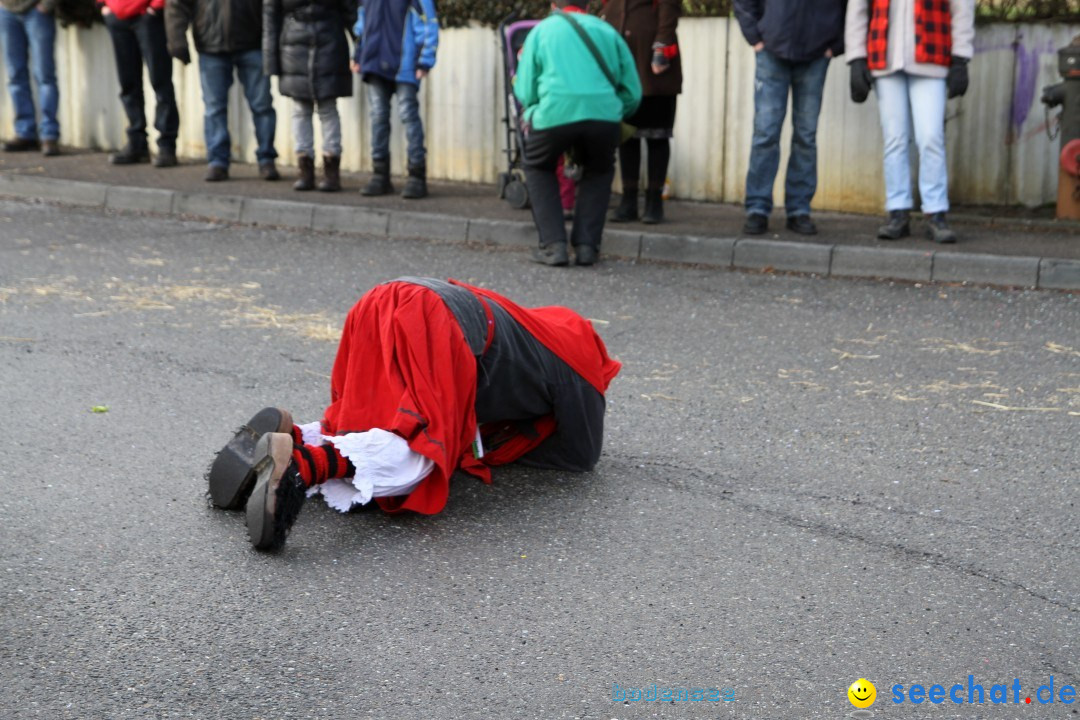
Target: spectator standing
[[576, 80], [648, 26], [396, 42], [304, 44], [137, 29], [793, 41], [915, 53], [28, 34], [228, 36]]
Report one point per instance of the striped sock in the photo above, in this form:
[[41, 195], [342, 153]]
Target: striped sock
[[319, 463]]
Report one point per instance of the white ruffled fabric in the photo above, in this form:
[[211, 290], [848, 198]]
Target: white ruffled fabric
[[385, 466]]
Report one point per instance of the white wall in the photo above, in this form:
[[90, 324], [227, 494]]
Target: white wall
[[999, 152]]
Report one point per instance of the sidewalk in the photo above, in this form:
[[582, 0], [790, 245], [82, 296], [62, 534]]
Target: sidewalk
[[1003, 249]]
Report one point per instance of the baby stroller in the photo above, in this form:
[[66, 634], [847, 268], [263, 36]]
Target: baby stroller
[[511, 183]]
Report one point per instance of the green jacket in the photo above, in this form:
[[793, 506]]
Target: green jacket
[[559, 81]]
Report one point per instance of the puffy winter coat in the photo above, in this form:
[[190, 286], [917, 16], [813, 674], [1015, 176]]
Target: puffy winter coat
[[219, 26], [304, 42], [396, 37]]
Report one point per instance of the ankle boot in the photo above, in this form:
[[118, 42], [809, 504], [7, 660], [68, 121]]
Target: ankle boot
[[654, 207], [331, 181], [416, 185], [627, 209], [379, 184], [306, 181]]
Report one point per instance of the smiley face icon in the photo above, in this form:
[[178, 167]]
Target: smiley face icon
[[862, 693]]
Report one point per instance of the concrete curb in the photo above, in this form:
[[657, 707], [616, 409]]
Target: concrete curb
[[724, 252]]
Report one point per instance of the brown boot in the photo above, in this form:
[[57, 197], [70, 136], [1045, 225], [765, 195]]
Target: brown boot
[[331, 181], [306, 180], [278, 494]]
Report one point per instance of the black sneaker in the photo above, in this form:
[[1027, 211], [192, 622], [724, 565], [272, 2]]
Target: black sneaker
[[801, 224], [756, 224], [897, 226], [937, 229], [554, 254], [585, 255], [232, 474], [279, 493], [130, 155]]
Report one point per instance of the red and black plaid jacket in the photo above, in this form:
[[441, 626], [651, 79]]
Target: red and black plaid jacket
[[933, 33]]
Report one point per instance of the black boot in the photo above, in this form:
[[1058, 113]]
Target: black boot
[[306, 180], [898, 225], [331, 181], [131, 154], [416, 185], [627, 209], [654, 207], [379, 184]]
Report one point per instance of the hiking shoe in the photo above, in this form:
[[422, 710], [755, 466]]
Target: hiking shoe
[[756, 224], [278, 495], [232, 474], [937, 229], [897, 226]]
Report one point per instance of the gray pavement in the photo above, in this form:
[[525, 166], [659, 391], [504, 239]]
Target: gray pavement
[[805, 481], [999, 246]]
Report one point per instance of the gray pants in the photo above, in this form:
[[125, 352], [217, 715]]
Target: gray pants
[[304, 133]]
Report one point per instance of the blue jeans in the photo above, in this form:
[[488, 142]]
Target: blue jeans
[[773, 78], [379, 91], [907, 103], [216, 77], [28, 39]]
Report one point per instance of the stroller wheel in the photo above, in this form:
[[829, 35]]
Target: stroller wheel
[[501, 183], [516, 194]]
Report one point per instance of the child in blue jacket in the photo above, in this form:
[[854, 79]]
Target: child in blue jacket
[[395, 48]]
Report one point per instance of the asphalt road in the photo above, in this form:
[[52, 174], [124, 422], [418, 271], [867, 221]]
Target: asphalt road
[[804, 482]]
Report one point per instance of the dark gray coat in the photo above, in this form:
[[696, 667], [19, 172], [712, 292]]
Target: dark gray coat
[[304, 42]]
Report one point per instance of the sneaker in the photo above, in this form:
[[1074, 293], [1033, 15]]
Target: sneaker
[[130, 155], [554, 254], [232, 474], [756, 224], [216, 173], [937, 229], [585, 255], [278, 495], [21, 145], [269, 171], [801, 224], [897, 226]]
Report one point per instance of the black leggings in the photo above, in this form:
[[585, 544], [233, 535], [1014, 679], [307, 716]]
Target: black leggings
[[630, 162]]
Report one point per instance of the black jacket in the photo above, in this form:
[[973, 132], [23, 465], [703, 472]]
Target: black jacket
[[219, 26], [304, 42], [796, 30]]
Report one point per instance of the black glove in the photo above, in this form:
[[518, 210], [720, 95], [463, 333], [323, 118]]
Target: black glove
[[861, 80], [182, 54], [958, 77]]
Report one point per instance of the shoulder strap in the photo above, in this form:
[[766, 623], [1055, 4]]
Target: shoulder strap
[[592, 48]]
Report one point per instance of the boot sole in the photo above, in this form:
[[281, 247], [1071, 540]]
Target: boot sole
[[260, 519], [232, 475]]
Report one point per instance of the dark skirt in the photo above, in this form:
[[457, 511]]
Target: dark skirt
[[655, 117]]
